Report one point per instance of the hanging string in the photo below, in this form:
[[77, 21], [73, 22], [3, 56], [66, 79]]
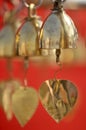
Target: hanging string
[[26, 65], [9, 68], [58, 70]]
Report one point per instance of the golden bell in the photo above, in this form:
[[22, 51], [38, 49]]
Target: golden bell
[[7, 37], [58, 31], [27, 38]]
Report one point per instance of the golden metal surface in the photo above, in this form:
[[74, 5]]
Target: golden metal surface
[[7, 39], [58, 32], [58, 97], [2, 87], [28, 43], [24, 104], [7, 89]]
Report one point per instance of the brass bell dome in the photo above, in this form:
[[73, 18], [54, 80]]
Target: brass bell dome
[[7, 37], [58, 31], [28, 35]]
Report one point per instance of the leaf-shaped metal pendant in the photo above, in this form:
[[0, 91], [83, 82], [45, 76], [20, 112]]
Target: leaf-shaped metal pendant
[[7, 41], [7, 89], [24, 104], [58, 97], [2, 87]]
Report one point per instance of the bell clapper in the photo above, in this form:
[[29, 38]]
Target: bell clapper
[[58, 52]]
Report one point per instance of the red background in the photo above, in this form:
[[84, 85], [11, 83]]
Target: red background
[[36, 75]]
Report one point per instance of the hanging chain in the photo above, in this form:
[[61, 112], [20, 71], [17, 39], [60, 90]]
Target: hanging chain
[[58, 70]]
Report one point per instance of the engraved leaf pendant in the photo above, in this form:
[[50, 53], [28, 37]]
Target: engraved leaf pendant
[[24, 104], [58, 97]]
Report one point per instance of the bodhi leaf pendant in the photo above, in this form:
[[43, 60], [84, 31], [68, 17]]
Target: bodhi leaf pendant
[[58, 97], [24, 104]]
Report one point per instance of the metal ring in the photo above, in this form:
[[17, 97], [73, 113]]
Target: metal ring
[[36, 6]]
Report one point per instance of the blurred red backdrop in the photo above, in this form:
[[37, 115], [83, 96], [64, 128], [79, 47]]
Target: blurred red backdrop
[[36, 75]]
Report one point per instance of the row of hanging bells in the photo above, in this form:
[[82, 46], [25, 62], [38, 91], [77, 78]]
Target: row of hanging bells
[[34, 38], [57, 32]]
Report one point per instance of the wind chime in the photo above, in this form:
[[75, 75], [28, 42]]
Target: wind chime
[[56, 33]]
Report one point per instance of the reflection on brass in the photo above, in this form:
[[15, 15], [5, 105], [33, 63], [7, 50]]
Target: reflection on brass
[[7, 36], [58, 97], [67, 56], [80, 52], [24, 104], [2, 87], [7, 39], [75, 55], [7, 89], [28, 35], [58, 31]]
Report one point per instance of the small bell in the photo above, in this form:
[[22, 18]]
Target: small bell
[[7, 34], [58, 31], [28, 35], [7, 37]]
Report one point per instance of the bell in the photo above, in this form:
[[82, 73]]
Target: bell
[[58, 31], [7, 37], [27, 38]]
